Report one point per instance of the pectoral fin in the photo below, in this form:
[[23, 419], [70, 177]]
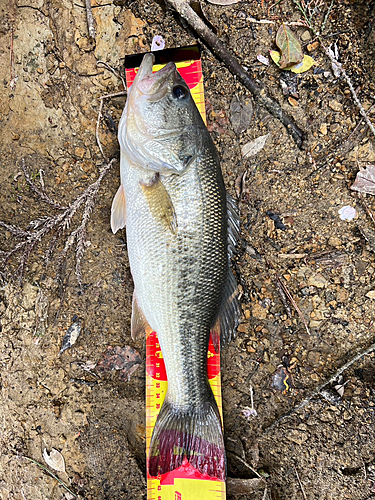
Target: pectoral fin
[[139, 324], [118, 210], [160, 203]]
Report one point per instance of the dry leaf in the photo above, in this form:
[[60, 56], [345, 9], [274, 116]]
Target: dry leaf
[[54, 460], [223, 2], [365, 180], [291, 50], [253, 147], [241, 113], [124, 359], [70, 337]]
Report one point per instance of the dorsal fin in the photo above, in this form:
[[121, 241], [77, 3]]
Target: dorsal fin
[[227, 320]]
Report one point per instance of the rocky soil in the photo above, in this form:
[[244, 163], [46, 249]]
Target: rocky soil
[[289, 201]]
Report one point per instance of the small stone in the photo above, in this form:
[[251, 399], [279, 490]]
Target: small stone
[[259, 312], [313, 357], [80, 152], [335, 105], [242, 328], [312, 46], [334, 127], [334, 242], [16, 137], [292, 101], [297, 437], [271, 368], [371, 294], [247, 313], [40, 71], [250, 349], [305, 36], [342, 295], [323, 129], [314, 323], [318, 281]]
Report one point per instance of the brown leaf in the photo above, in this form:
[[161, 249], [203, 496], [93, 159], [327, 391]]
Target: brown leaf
[[241, 113], [365, 180], [291, 50], [124, 359]]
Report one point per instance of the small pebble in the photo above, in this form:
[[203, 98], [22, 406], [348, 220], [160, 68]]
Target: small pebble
[[335, 105], [312, 46], [305, 36], [323, 129], [334, 242]]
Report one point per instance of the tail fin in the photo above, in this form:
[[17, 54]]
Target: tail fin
[[194, 433]]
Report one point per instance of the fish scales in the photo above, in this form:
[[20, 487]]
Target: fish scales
[[177, 237], [180, 288]]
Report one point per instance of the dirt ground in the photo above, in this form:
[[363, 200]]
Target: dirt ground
[[49, 105]]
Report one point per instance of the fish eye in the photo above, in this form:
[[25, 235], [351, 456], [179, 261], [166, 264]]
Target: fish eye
[[180, 92]]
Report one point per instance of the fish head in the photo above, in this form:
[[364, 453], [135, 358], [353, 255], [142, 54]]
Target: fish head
[[161, 128]]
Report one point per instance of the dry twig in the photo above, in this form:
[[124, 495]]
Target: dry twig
[[100, 116], [51, 474], [318, 390], [39, 228], [292, 301], [219, 49], [369, 213], [90, 20], [301, 485], [107, 96]]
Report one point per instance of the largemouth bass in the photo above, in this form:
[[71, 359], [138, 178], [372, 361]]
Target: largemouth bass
[[180, 226]]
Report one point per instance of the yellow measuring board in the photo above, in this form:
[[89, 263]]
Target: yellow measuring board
[[184, 483]]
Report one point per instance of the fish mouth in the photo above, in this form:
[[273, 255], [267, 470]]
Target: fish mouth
[[154, 85]]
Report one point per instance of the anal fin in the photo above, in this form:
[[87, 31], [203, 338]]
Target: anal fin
[[139, 323]]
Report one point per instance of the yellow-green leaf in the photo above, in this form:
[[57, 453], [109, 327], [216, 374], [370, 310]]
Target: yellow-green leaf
[[291, 50], [296, 68], [302, 66], [275, 56]]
